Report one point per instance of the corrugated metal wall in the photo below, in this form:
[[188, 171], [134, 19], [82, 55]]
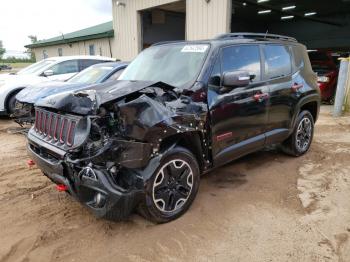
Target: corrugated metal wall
[[204, 19], [127, 26], [80, 48]]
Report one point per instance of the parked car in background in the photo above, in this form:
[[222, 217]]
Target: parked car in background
[[54, 68], [179, 110], [5, 67], [95, 74], [326, 66]]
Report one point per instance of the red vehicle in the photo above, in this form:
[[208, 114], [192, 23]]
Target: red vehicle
[[326, 67]]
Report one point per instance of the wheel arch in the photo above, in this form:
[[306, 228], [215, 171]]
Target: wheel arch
[[192, 141], [310, 103], [10, 94]]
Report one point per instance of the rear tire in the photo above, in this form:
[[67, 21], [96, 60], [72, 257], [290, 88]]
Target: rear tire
[[172, 188], [300, 140]]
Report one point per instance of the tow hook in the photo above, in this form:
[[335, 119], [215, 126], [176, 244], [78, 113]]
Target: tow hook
[[30, 163], [61, 188]]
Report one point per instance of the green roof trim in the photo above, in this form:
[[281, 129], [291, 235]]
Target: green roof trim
[[104, 30]]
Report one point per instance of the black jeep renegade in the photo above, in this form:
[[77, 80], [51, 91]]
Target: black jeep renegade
[[178, 111]]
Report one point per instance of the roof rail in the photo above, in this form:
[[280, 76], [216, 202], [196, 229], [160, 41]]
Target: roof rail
[[256, 36]]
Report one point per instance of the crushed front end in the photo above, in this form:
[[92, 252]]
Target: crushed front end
[[103, 152]]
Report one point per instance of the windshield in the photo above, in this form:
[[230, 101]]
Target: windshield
[[36, 68], [91, 75], [175, 64]]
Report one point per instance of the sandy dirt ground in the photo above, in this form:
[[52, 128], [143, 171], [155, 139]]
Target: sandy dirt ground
[[264, 207]]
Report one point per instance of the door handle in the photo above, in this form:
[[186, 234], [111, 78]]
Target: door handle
[[296, 87], [261, 97]]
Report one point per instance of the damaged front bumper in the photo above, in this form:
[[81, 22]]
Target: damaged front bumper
[[91, 185], [24, 113]]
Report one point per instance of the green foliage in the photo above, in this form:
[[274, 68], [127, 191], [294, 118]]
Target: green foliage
[[33, 40], [10, 60], [2, 50]]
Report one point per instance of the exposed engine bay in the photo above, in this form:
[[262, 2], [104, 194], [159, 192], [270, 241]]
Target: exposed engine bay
[[121, 140]]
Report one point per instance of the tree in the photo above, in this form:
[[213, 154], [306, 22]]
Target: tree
[[2, 50], [33, 40]]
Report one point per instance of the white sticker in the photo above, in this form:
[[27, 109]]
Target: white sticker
[[194, 48]]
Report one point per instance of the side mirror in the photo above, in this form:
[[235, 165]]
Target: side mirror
[[48, 73], [236, 79]]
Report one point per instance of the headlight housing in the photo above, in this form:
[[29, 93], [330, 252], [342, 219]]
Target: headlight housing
[[323, 79]]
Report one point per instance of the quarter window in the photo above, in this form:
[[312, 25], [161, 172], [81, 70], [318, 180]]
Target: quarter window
[[242, 58], [66, 67], [277, 61]]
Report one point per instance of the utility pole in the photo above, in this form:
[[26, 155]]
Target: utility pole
[[342, 87]]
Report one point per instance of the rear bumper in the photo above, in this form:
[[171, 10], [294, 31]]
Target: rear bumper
[[99, 193]]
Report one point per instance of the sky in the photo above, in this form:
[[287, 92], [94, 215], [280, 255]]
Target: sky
[[48, 18]]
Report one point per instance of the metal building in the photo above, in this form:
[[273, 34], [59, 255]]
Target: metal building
[[96, 40], [140, 23]]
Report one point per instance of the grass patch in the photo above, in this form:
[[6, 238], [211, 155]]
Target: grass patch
[[15, 67]]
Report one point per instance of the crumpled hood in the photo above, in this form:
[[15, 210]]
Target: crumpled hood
[[86, 101], [33, 93]]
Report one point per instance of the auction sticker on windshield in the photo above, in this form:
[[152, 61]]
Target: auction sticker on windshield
[[194, 48]]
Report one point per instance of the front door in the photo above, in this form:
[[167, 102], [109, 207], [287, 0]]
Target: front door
[[238, 115]]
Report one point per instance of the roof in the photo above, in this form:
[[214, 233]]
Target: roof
[[112, 64], [98, 31], [65, 58], [220, 41]]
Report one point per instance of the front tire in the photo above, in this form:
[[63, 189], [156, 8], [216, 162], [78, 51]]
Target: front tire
[[300, 140], [11, 105], [172, 188]]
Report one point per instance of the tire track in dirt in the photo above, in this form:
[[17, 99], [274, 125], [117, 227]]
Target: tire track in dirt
[[324, 188]]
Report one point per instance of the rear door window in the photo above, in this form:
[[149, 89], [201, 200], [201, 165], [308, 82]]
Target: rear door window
[[278, 61], [242, 58], [66, 67], [85, 63]]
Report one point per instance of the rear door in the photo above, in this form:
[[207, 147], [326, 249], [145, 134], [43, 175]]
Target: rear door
[[285, 84], [64, 70], [238, 115]]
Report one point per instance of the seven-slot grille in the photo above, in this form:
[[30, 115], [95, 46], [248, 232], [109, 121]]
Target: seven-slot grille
[[54, 127]]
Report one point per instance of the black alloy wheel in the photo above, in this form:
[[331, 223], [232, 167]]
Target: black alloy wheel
[[300, 140], [172, 188]]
